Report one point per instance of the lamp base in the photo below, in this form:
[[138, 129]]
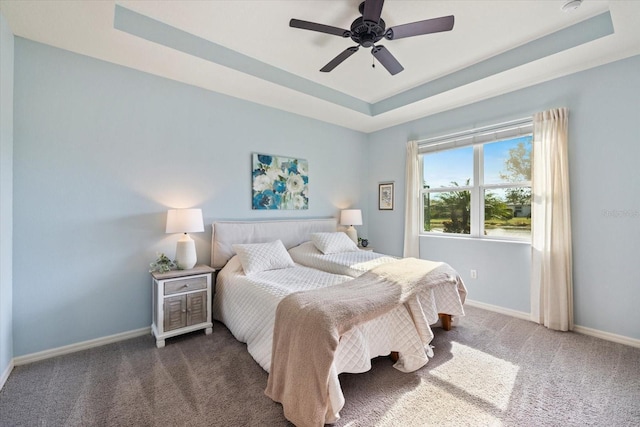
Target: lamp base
[[352, 233], [186, 257]]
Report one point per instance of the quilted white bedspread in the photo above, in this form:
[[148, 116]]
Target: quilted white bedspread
[[247, 306], [348, 263], [447, 297]]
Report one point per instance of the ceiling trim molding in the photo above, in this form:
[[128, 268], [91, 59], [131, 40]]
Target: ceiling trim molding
[[142, 26], [567, 38], [147, 28]]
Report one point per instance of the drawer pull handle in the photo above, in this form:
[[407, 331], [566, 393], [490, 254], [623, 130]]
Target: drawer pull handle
[[186, 285]]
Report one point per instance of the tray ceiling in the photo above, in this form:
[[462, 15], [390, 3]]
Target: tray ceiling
[[246, 49]]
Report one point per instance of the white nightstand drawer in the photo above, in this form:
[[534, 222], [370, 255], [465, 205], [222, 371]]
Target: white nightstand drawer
[[184, 285]]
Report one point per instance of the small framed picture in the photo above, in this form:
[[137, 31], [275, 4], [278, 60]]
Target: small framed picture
[[385, 196]]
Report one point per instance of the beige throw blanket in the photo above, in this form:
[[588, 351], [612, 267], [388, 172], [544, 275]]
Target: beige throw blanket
[[309, 325]]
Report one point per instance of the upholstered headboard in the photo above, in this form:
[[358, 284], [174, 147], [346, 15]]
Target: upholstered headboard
[[291, 232]]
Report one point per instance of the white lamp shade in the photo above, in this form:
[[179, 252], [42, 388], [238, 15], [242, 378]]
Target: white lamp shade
[[351, 217], [184, 221]]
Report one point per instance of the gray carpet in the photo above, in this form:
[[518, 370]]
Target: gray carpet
[[489, 370]]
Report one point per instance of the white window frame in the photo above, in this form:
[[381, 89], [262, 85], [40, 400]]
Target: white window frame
[[477, 138]]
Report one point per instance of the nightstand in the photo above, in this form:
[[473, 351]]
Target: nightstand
[[181, 302], [368, 248]]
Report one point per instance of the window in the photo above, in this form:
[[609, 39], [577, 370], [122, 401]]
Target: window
[[478, 183]]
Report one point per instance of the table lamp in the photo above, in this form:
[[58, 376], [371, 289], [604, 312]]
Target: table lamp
[[185, 221], [351, 217]]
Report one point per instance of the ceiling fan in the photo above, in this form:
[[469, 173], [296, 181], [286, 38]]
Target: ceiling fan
[[370, 29]]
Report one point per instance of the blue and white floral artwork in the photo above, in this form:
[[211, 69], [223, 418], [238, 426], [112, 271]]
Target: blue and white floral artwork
[[280, 182]]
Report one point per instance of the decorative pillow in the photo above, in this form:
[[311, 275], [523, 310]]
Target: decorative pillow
[[333, 243], [257, 257]]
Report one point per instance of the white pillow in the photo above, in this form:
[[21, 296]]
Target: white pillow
[[257, 257], [333, 243]]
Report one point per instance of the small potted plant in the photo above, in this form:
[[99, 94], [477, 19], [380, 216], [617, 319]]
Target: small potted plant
[[162, 264]]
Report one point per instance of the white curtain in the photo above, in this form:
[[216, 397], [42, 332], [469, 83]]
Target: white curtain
[[551, 266], [412, 202]]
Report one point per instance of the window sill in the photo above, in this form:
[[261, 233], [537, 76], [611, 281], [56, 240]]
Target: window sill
[[475, 239]]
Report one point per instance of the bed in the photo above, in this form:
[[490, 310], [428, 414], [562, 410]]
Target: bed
[[446, 298], [350, 263], [247, 304]]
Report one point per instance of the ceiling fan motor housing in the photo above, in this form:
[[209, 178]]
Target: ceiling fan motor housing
[[366, 33]]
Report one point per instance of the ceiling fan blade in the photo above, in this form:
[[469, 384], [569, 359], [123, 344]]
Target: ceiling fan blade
[[435, 25], [338, 59], [321, 28], [372, 10], [387, 60]]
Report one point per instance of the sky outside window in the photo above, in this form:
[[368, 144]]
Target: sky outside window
[[456, 165], [444, 167], [495, 155]]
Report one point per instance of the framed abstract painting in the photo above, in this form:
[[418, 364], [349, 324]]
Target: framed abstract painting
[[279, 182]]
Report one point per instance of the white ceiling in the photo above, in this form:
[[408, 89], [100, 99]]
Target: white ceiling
[[484, 30]]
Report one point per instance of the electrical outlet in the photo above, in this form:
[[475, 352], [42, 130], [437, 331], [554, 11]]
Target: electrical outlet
[[474, 274]]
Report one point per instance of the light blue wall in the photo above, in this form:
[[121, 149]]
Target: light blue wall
[[504, 284], [101, 151], [604, 148], [6, 195]]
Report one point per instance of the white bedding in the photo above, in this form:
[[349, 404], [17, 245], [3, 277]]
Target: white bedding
[[446, 298], [247, 306], [348, 263]]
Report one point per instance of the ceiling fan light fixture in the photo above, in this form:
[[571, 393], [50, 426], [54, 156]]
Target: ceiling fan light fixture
[[370, 28], [571, 5]]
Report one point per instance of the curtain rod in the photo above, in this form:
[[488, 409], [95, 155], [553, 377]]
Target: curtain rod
[[475, 131]]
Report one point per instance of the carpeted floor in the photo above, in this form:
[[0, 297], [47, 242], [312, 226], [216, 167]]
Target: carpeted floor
[[489, 370]]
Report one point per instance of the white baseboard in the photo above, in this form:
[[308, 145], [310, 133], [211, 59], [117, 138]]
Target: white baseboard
[[46, 354], [497, 309], [5, 374], [620, 339], [84, 345]]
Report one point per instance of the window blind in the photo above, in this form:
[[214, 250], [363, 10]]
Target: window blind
[[507, 130]]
